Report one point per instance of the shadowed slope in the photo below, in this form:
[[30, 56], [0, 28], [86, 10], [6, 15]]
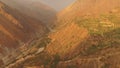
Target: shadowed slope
[[17, 29], [34, 9]]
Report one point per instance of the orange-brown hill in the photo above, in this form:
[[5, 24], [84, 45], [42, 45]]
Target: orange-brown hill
[[66, 40], [83, 8], [16, 28], [102, 20]]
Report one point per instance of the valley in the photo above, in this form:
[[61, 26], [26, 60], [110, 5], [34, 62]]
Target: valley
[[34, 9], [83, 35]]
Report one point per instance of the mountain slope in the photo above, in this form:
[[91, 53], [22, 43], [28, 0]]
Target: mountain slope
[[34, 9], [102, 20], [88, 8], [65, 40], [17, 29]]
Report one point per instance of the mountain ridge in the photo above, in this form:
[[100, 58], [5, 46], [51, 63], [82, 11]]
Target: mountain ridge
[[34, 9], [88, 8]]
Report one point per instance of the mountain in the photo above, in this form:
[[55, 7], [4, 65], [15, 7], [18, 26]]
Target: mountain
[[34, 9], [88, 8], [17, 29], [87, 36], [101, 48]]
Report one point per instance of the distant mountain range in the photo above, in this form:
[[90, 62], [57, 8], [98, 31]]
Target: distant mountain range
[[57, 4], [34, 9]]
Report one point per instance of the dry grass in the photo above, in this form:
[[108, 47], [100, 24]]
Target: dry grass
[[66, 39]]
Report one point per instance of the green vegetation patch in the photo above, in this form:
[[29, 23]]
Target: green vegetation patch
[[99, 25], [106, 65], [99, 42]]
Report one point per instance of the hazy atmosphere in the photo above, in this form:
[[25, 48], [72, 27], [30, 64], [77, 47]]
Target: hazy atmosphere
[[59, 33], [58, 4]]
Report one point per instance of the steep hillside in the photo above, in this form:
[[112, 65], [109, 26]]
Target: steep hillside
[[88, 8], [34, 9], [102, 20], [17, 29], [66, 40]]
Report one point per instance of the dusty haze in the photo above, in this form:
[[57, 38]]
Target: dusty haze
[[58, 4]]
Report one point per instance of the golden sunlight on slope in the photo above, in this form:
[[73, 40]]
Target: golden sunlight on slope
[[87, 8], [102, 48], [66, 39]]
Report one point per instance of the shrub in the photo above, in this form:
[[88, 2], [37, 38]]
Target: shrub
[[44, 42]]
